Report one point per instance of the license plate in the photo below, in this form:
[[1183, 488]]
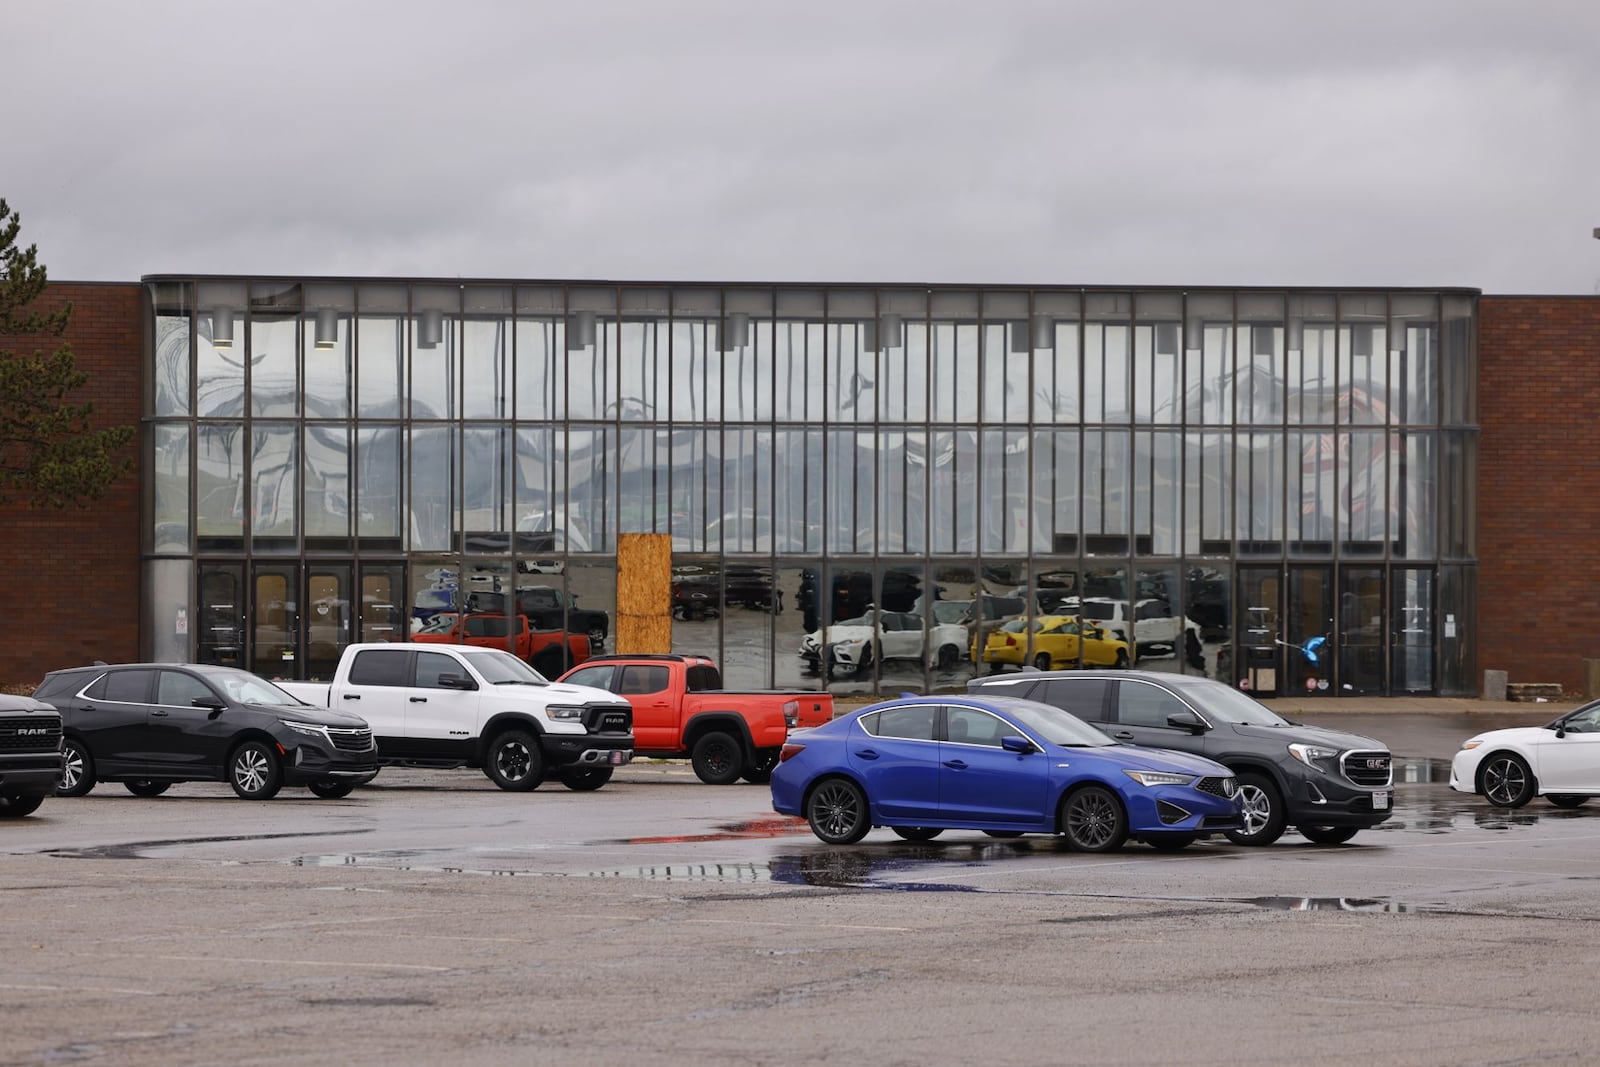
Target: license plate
[[620, 756], [1380, 800]]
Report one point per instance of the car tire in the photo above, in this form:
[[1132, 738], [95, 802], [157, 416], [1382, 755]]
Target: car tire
[[585, 779], [718, 758], [1328, 835], [837, 811], [1093, 820], [1169, 842], [917, 833], [1263, 811], [13, 806], [514, 761], [332, 789], [77, 769], [949, 656], [1505, 780], [760, 770], [1121, 663], [597, 641], [1567, 800], [1042, 661], [1004, 835], [146, 787], [254, 771]]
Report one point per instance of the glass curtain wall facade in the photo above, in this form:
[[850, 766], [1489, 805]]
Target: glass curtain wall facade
[[865, 488]]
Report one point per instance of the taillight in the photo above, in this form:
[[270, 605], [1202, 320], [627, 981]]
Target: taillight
[[790, 749], [791, 713], [1011, 642]]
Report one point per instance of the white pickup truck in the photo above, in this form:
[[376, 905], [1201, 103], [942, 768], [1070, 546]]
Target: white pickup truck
[[462, 706]]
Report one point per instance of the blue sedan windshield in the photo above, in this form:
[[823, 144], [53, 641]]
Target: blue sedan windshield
[[1054, 725]]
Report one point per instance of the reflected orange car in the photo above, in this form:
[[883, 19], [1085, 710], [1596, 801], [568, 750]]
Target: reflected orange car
[[1052, 642]]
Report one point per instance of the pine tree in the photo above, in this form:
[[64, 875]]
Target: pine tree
[[49, 457]]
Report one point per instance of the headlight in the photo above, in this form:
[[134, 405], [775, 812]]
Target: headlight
[[311, 729], [1471, 743], [1159, 777], [564, 712], [1313, 755]]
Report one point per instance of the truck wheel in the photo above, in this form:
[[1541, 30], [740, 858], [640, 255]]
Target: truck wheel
[[585, 779], [332, 789], [718, 759], [597, 639], [77, 769], [253, 771], [15, 807], [760, 770], [515, 762], [146, 787]]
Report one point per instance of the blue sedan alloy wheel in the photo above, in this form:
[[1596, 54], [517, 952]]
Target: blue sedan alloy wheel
[[1093, 821], [837, 811]]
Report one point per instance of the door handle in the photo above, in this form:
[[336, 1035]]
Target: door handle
[[419, 700], [352, 696], [1123, 736], [157, 713], [956, 764], [867, 753]]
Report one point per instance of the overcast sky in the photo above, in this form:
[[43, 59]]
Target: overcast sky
[[1414, 143]]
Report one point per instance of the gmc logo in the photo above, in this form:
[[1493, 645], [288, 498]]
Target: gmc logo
[[1377, 764]]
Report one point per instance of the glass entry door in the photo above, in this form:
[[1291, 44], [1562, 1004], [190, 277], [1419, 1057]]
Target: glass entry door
[[1260, 629], [275, 620], [1411, 630], [328, 617], [382, 614], [1308, 648], [1361, 629]]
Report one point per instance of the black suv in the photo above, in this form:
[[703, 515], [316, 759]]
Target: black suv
[[1326, 784], [148, 725]]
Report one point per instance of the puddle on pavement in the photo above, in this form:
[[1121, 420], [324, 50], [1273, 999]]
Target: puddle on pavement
[[136, 850], [1367, 904]]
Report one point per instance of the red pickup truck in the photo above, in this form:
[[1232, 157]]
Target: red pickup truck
[[548, 651], [680, 710]]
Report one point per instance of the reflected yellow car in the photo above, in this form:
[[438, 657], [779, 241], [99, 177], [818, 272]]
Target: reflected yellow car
[[1051, 642]]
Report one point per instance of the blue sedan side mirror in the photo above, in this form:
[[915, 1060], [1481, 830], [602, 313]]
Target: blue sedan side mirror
[[1016, 744]]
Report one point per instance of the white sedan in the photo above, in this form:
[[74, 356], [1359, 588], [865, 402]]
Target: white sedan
[[1559, 761], [849, 647]]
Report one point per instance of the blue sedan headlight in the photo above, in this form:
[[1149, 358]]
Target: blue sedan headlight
[[1148, 778]]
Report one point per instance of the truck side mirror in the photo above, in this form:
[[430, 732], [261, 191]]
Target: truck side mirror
[[456, 681]]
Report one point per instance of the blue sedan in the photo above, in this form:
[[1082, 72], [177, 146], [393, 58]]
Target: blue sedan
[[1003, 765]]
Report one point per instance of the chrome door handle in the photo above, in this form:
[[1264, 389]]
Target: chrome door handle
[[1124, 736], [158, 714]]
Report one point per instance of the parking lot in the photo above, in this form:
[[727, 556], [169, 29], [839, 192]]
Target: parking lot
[[660, 920]]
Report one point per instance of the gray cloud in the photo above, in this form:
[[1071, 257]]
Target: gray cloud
[[1436, 142]]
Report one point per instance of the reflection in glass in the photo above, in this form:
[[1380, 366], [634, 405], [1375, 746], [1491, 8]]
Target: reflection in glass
[[171, 376], [169, 485], [219, 634], [381, 351], [274, 365], [327, 486], [274, 485], [432, 496]]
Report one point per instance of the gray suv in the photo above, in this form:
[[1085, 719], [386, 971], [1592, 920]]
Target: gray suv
[[1326, 784]]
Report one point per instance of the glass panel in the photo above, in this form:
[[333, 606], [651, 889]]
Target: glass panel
[[1259, 666], [1458, 479], [850, 488], [1208, 359], [274, 365], [1458, 608], [593, 338], [540, 493], [954, 357], [1312, 340], [1457, 373], [1311, 493], [955, 600], [999, 597], [219, 486], [169, 482], [219, 355], [642, 474], [1157, 357], [220, 636], [435, 325], [328, 625], [541, 337], [1208, 494], [1166, 640], [486, 352], [902, 493], [744, 524], [1057, 358], [432, 499], [903, 369], [378, 487], [329, 346], [854, 340], [1208, 603], [1107, 499], [168, 622], [1308, 655], [486, 479], [1258, 382], [844, 644], [1414, 355], [744, 336], [274, 621], [1107, 358], [1411, 630], [797, 510], [591, 494], [1414, 491], [274, 486], [1007, 342], [798, 613], [1361, 604], [381, 351], [1363, 493], [1055, 491], [383, 614], [1258, 473], [1363, 359], [174, 321], [798, 354], [327, 486], [907, 648]]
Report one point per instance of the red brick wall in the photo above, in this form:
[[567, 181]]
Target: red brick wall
[[1539, 487], [69, 580]]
